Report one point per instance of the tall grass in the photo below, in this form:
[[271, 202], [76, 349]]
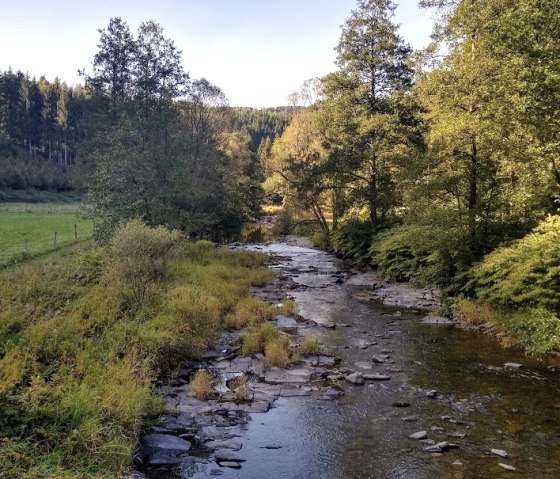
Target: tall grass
[[79, 352]]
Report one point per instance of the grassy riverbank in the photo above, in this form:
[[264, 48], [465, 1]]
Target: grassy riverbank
[[82, 341]]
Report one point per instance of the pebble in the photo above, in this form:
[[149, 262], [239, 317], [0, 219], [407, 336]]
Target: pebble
[[513, 365], [230, 464], [431, 394], [410, 418], [499, 452], [507, 467], [419, 435]]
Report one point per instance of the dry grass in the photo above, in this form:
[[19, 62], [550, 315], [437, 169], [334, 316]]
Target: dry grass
[[310, 346], [474, 313], [201, 385], [276, 354], [241, 390], [249, 311], [287, 308]]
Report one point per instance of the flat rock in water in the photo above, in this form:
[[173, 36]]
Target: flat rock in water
[[363, 365], [272, 446], [230, 464], [376, 377], [165, 442], [293, 376], [513, 365], [419, 435], [437, 320], [362, 343], [355, 378], [499, 452], [410, 419], [379, 359], [231, 444], [161, 458], [222, 455], [507, 467]]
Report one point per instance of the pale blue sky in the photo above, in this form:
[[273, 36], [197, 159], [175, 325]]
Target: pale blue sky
[[256, 51]]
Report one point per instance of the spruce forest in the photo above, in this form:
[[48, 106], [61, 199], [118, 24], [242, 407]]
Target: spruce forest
[[436, 170]]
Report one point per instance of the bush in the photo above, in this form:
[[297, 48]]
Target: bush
[[524, 274], [474, 313], [140, 255], [352, 239], [320, 240]]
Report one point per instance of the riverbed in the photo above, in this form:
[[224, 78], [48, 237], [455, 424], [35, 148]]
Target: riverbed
[[447, 385]]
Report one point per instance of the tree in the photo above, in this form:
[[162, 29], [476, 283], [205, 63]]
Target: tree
[[367, 96]]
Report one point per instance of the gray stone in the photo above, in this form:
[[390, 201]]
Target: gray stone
[[271, 446], [507, 467], [165, 442], [222, 455], [379, 359], [355, 378], [162, 458], [376, 377], [362, 343], [437, 320], [431, 394], [410, 418], [230, 464], [293, 376], [499, 452], [363, 365], [513, 365], [400, 404], [419, 435], [225, 444]]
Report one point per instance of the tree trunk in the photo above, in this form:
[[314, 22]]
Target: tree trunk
[[373, 193]]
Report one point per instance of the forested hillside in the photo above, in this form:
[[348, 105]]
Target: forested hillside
[[422, 163]]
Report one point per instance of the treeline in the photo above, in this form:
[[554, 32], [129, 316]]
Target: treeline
[[39, 131], [423, 163], [141, 138]]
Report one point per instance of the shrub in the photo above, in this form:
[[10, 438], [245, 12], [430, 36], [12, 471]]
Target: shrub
[[201, 384], [92, 265], [276, 354], [403, 254], [352, 239], [321, 240], [524, 274], [537, 329], [140, 255], [474, 313]]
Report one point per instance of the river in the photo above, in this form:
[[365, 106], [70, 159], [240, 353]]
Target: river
[[453, 380]]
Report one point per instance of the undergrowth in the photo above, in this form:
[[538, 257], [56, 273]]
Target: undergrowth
[[82, 341]]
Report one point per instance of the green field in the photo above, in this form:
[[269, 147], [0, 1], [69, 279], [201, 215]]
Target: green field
[[32, 227]]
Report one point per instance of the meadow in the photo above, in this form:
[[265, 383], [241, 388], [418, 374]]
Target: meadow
[[28, 229]]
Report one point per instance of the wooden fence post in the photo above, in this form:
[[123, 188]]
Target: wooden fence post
[[75, 232]]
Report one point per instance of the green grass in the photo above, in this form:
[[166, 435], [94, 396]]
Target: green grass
[[37, 224], [79, 355]]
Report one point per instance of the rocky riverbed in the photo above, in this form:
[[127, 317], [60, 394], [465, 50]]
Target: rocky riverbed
[[399, 394]]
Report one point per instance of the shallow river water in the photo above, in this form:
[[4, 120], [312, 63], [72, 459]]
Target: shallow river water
[[479, 405]]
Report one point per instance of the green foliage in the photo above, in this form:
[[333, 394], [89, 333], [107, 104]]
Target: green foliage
[[140, 256], [525, 274], [402, 254], [537, 329], [353, 240]]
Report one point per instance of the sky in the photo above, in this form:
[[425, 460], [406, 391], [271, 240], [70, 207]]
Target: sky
[[256, 51]]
